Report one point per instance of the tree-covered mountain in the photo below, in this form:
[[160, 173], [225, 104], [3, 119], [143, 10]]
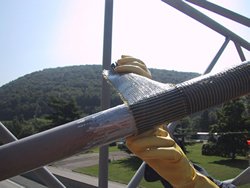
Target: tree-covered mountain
[[28, 96]]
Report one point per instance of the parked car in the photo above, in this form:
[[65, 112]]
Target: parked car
[[121, 145]]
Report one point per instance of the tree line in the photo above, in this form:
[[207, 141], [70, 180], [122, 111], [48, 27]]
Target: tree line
[[29, 104], [228, 126], [29, 95]]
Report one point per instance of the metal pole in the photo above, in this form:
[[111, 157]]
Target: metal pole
[[202, 18], [240, 52], [217, 56], [43, 173], [105, 98], [134, 182], [241, 179], [222, 11], [63, 141]]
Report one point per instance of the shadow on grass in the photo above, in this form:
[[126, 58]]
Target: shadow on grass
[[237, 163], [195, 162], [132, 162]]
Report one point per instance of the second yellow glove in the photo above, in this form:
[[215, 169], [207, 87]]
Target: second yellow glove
[[160, 151], [132, 65]]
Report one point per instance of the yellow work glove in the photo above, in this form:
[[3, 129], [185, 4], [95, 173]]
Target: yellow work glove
[[161, 152], [132, 65]]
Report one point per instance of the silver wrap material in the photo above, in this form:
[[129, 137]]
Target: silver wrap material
[[133, 88]]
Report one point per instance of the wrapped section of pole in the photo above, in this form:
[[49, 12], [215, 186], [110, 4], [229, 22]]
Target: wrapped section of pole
[[154, 103]]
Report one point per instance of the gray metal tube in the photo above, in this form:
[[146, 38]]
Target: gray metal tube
[[241, 179], [222, 11], [5, 135], [66, 140], [217, 56], [44, 174], [105, 98], [197, 15], [48, 178], [137, 177], [240, 52]]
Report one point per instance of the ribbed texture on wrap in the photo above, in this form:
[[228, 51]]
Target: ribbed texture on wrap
[[154, 104], [208, 91]]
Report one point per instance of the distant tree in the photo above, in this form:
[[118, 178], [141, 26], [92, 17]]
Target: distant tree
[[183, 126], [205, 121], [19, 128], [26, 131], [247, 99], [212, 118], [14, 127], [230, 120], [195, 125], [64, 111], [41, 124]]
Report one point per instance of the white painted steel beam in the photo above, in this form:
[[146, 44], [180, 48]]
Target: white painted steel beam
[[105, 97], [222, 11], [202, 18]]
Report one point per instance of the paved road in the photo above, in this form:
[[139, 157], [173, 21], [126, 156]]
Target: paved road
[[64, 168], [9, 184], [85, 160], [20, 182], [83, 178]]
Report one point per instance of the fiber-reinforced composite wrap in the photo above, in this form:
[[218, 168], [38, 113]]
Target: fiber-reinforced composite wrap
[[154, 104]]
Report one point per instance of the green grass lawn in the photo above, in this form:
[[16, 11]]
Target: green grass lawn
[[218, 167], [111, 148]]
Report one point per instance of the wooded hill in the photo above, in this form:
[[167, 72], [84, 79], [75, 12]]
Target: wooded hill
[[28, 96]]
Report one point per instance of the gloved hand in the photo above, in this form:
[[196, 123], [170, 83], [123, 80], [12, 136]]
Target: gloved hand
[[132, 65], [160, 151]]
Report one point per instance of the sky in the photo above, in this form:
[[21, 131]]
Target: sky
[[41, 34]]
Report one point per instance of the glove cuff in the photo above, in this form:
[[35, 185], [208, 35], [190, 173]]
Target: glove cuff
[[199, 181]]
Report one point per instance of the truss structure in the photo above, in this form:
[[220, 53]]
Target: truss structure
[[186, 8]]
